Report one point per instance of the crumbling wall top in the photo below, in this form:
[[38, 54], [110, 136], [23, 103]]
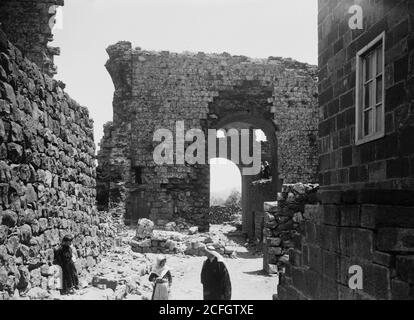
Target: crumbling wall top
[[28, 25]]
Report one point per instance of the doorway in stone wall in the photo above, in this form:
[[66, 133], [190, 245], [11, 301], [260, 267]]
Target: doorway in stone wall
[[137, 206], [236, 197], [225, 191]]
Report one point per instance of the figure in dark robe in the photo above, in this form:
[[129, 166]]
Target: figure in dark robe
[[215, 277], [266, 170], [161, 277], [64, 259]]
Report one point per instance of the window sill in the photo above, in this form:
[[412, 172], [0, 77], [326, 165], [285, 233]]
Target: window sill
[[370, 138]]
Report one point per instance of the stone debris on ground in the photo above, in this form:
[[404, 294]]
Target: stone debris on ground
[[149, 240], [122, 272], [223, 214]]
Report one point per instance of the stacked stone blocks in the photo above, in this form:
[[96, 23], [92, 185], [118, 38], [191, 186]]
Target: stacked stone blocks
[[47, 176]]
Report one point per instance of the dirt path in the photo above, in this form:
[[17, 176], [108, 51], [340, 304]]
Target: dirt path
[[247, 278], [248, 282]]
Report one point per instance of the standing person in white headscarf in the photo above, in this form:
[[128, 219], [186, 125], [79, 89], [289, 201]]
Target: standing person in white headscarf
[[161, 277], [215, 276]]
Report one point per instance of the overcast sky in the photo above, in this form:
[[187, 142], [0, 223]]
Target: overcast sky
[[255, 28]]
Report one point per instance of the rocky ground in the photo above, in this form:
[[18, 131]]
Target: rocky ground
[[123, 274]]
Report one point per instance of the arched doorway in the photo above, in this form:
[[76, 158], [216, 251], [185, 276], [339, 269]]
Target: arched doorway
[[225, 179], [252, 197]]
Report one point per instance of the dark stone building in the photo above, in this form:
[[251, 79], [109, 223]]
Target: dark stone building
[[366, 161]]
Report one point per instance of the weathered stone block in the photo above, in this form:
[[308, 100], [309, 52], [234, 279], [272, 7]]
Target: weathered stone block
[[330, 262], [357, 243], [328, 289], [4, 230], [350, 216], [405, 268], [400, 290], [270, 207], [315, 258], [395, 239], [383, 259], [12, 244], [331, 215], [145, 228], [9, 218], [329, 238], [368, 213], [375, 216], [273, 242], [377, 281], [310, 232]]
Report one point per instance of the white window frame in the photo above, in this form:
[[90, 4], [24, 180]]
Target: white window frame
[[359, 97]]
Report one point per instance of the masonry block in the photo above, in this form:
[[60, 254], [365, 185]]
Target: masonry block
[[395, 240], [368, 216], [330, 264], [357, 243], [377, 281], [331, 215], [305, 255], [350, 216], [383, 259], [313, 213], [395, 216], [329, 238], [315, 258], [313, 282], [310, 232], [330, 197], [329, 289], [405, 268], [298, 277], [400, 290]]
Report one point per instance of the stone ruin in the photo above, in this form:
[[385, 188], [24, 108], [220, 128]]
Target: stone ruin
[[150, 239], [283, 225], [27, 25], [47, 161], [363, 215], [207, 91]]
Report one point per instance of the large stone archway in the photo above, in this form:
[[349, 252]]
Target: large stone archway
[[156, 89], [252, 119]]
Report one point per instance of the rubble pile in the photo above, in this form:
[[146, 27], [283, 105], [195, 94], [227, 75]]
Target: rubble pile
[[122, 273], [223, 214], [149, 240], [283, 222]]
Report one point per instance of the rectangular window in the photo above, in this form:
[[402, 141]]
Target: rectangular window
[[370, 67]]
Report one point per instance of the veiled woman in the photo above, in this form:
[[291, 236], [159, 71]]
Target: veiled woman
[[161, 277], [215, 276], [64, 257]]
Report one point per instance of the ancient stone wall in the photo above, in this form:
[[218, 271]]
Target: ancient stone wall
[[365, 215], [27, 23], [47, 175], [155, 89], [283, 226], [260, 191]]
